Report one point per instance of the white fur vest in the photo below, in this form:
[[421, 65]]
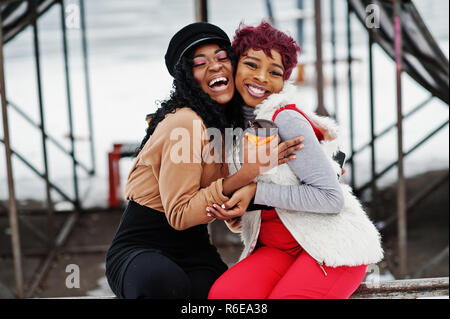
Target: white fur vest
[[347, 238]]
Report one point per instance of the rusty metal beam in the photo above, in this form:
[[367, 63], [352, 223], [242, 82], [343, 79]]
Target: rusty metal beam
[[13, 212], [392, 126], [401, 183], [403, 289], [359, 190], [40, 95], [87, 82], [5, 2], [42, 8], [201, 10], [69, 103], [55, 242], [321, 110], [436, 260], [396, 289], [412, 203], [350, 93], [58, 244]]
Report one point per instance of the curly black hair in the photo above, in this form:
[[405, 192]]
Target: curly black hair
[[187, 93]]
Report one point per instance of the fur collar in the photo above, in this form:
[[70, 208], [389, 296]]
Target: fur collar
[[289, 95], [286, 96]]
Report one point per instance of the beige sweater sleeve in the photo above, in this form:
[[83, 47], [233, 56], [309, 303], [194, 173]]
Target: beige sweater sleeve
[[179, 170]]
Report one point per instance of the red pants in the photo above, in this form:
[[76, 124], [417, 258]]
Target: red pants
[[280, 269]]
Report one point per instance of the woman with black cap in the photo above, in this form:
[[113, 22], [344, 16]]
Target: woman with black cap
[[161, 248]]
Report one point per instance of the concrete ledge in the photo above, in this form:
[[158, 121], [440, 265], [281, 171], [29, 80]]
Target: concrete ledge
[[395, 289], [404, 289]]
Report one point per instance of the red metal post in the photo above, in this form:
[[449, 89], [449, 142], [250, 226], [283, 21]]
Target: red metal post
[[114, 176]]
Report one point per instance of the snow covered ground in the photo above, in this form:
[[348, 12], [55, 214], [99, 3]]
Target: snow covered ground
[[127, 42]]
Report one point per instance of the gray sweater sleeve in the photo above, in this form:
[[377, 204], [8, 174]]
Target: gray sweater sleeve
[[320, 191]]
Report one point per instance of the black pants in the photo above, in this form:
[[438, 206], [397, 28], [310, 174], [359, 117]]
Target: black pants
[[150, 259], [151, 275]]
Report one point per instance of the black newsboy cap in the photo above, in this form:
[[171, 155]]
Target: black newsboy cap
[[189, 36]]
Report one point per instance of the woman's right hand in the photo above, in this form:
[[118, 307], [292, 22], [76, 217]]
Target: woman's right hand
[[236, 206], [287, 148], [258, 159]]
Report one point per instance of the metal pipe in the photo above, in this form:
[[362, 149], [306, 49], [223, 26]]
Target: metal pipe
[[40, 273], [201, 10], [39, 252], [36, 171], [59, 242], [270, 14], [418, 198], [34, 13], [6, 2], [436, 260], [412, 149], [426, 138], [373, 204], [69, 106], [350, 92], [44, 5], [49, 137], [413, 202], [319, 58], [13, 212], [401, 184], [390, 127], [334, 53], [404, 289], [300, 23], [87, 83], [32, 228], [42, 211]]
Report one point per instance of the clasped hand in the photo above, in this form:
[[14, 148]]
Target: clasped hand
[[255, 164]]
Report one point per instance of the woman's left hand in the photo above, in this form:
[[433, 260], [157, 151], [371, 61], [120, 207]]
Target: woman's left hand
[[236, 206]]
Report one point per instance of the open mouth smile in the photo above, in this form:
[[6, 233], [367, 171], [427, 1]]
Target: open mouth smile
[[218, 83], [256, 91]]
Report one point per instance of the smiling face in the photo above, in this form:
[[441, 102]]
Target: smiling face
[[258, 76], [213, 72]]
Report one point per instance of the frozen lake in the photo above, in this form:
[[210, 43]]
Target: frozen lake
[[127, 41]]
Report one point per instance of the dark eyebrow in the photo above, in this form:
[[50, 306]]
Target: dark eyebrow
[[258, 59], [253, 58], [215, 52]]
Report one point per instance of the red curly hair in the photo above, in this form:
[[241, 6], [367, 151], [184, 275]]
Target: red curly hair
[[265, 37]]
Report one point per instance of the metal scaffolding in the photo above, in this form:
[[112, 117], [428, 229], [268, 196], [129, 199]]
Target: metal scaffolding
[[394, 47], [16, 16]]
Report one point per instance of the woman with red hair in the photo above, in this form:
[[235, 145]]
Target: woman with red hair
[[310, 237]]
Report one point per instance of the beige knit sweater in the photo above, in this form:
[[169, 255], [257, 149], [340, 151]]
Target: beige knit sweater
[[181, 187]]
